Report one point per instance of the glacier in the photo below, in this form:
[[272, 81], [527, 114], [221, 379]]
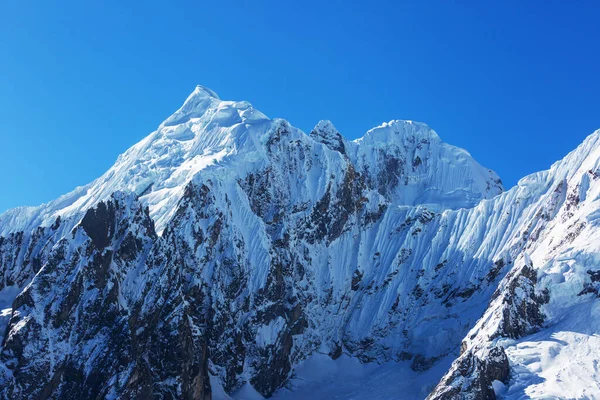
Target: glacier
[[229, 255]]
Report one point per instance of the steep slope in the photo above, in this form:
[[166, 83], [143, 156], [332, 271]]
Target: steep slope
[[226, 248], [546, 309], [203, 131]]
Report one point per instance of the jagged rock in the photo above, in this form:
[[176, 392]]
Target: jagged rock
[[471, 376], [324, 132]]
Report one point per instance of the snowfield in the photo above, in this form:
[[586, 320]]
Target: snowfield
[[232, 256], [559, 362]]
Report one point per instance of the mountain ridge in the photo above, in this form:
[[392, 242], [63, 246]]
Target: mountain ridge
[[203, 131]]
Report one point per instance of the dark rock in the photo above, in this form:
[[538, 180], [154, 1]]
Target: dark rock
[[99, 224], [471, 377], [336, 352], [421, 363], [326, 133], [356, 278]]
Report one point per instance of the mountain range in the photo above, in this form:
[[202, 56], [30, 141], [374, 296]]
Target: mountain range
[[230, 255]]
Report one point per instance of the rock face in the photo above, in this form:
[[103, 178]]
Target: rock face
[[548, 293], [226, 248], [472, 375]]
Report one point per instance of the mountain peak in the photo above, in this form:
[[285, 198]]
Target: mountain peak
[[325, 125], [195, 106], [203, 91], [324, 132], [398, 129]]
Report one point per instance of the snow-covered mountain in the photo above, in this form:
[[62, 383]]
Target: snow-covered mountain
[[229, 254]]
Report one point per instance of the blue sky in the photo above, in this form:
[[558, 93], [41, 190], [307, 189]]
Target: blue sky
[[515, 83]]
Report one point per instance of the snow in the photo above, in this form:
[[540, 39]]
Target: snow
[[246, 392], [441, 176], [561, 360], [267, 334], [321, 378], [7, 296], [499, 387], [556, 235], [208, 133], [200, 134]]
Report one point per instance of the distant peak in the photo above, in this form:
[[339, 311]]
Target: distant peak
[[324, 132], [408, 126], [398, 129], [325, 125], [203, 91]]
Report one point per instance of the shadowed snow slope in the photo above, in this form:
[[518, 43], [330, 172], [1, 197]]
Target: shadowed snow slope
[[228, 254]]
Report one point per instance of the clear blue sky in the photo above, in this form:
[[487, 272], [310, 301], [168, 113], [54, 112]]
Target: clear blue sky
[[515, 83]]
